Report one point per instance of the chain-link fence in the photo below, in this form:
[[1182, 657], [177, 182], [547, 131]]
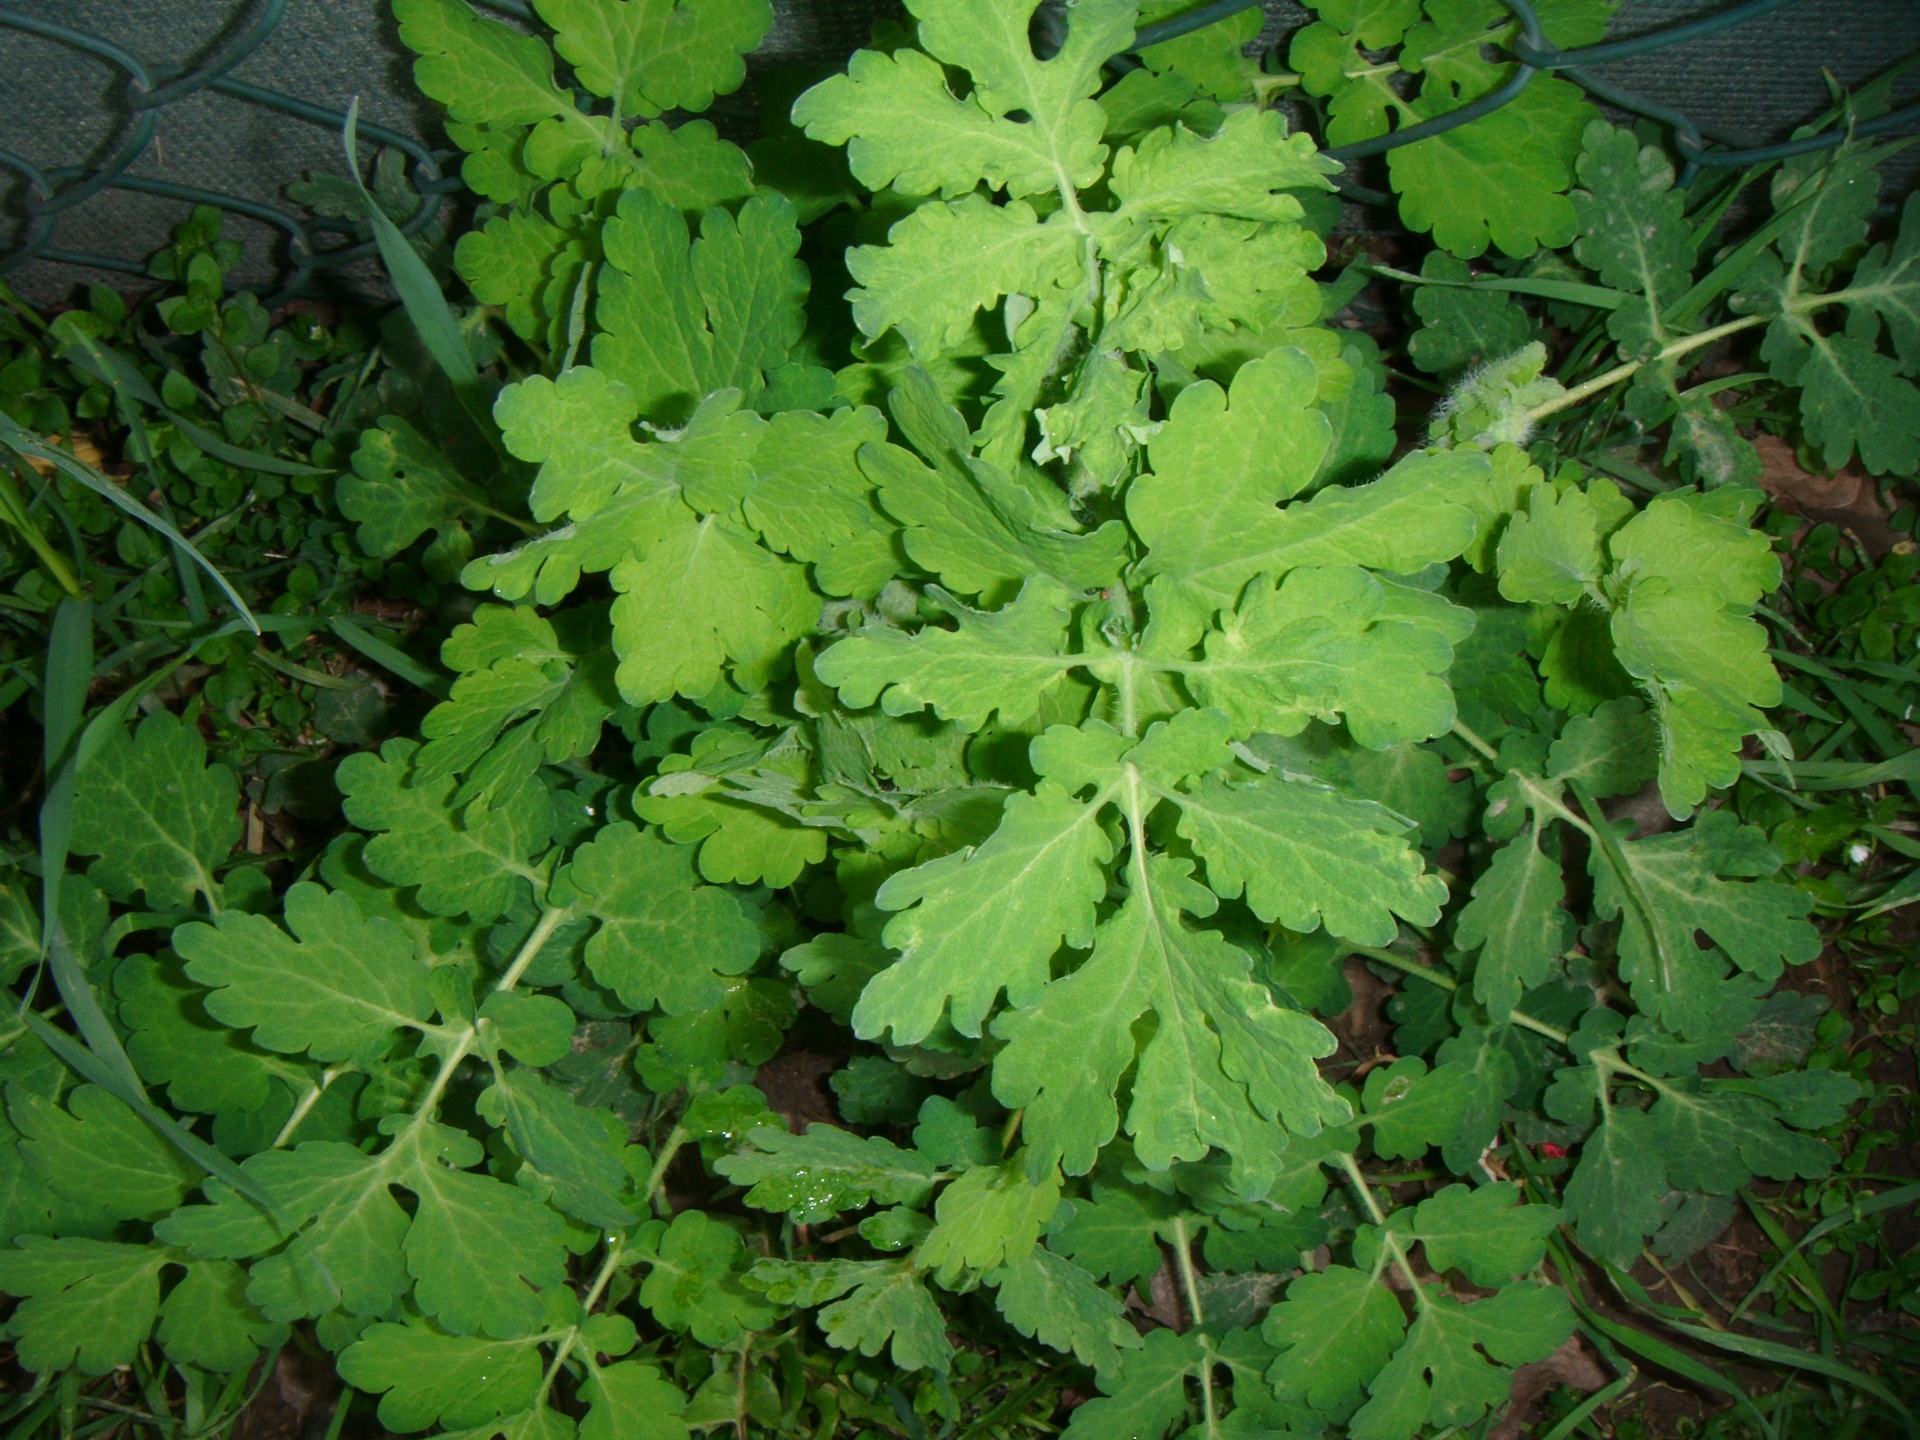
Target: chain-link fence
[[124, 111]]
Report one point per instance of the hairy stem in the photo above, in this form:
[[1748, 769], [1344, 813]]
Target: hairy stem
[[1632, 367], [1472, 738]]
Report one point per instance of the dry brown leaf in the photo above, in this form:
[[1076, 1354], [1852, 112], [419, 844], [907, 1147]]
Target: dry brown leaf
[[1783, 477]]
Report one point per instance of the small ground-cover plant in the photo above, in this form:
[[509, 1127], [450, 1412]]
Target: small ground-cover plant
[[1046, 680]]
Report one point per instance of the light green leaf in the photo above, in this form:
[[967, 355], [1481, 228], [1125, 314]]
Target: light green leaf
[[402, 485], [1244, 169], [1211, 59], [825, 1171], [98, 1155], [84, 1304], [694, 1284], [426, 1376], [207, 1321], [1462, 326], [631, 1401], [1117, 1234], [517, 670], [703, 596], [1412, 1109], [1148, 1396], [478, 1249], [1056, 1302], [1699, 540], [1307, 855], [888, 1302], [1717, 1140], [979, 920], [1633, 228], [509, 262], [993, 661], [1516, 921], [349, 1251], [1492, 406], [1673, 888], [463, 859], [1616, 1190], [1221, 1065], [655, 55], [1613, 751], [740, 842], [988, 1218], [1456, 1363], [1027, 125], [1549, 553], [1500, 179], [489, 75], [1705, 669], [535, 1029], [943, 264], [681, 317], [808, 494], [983, 533], [1332, 642], [1416, 514], [337, 988], [1485, 1234], [156, 813], [663, 938], [579, 430], [1334, 1331], [572, 1154], [173, 1041], [1221, 462]]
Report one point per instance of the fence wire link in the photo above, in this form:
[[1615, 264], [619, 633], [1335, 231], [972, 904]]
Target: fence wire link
[[50, 193]]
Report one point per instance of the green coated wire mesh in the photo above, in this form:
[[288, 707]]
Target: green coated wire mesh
[[125, 111]]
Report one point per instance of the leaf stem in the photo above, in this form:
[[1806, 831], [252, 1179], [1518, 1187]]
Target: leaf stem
[[1447, 982], [1344, 1159], [550, 920], [1622, 372], [1472, 738], [305, 1107], [1389, 1242], [1183, 1258], [657, 1177], [1609, 844], [616, 1247]]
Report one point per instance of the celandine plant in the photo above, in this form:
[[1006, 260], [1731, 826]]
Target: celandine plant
[[1032, 678]]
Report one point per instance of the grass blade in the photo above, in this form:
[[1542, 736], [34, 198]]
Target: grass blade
[[391, 658], [1897, 1199], [212, 444], [1775, 1354], [1566, 1428], [68, 674], [1648, 1348], [88, 1066], [420, 294], [16, 437]]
